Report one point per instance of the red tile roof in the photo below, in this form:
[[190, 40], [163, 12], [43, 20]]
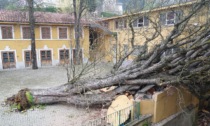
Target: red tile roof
[[40, 17]]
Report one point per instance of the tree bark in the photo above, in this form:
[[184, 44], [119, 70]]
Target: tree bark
[[32, 32], [78, 10]]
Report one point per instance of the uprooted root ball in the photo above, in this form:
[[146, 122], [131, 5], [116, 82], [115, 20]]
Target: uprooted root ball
[[23, 100]]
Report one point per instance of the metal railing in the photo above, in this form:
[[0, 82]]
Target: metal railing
[[122, 117]]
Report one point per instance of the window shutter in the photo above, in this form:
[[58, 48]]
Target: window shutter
[[179, 15], [163, 18], [146, 21]]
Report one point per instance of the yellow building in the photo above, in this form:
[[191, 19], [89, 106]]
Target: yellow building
[[144, 26], [54, 39], [108, 40]]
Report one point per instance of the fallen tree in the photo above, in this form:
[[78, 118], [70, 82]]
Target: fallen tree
[[188, 66]]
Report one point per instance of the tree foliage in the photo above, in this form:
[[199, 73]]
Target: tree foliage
[[47, 9]]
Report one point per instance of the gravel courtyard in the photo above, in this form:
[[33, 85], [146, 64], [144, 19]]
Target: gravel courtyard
[[12, 81]]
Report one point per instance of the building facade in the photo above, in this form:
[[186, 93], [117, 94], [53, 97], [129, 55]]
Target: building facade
[[144, 24], [108, 39], [54, 35]]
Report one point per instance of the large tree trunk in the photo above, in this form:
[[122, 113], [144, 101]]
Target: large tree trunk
[[32, 25], [188, 67], [78, 10]]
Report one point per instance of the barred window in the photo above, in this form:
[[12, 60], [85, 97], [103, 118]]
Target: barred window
[[62, 33], [6, 32], [46, 34], [26, 32]]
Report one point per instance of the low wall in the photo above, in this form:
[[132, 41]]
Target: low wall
[[167, 103]]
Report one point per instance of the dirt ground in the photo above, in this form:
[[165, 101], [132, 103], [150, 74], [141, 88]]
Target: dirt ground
[[52, 115]]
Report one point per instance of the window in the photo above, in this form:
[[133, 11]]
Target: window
[[170, 18], [105, 24], [63, 33], [8, 57], [45, 33], [141, 21], [26, 32], [8, 60], [120, 24], [28, 59], [28, 56], [6, 32], [64, 54], [46, 55]]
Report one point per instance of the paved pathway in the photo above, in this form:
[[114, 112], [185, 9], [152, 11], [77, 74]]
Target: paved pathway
[[55, 115]]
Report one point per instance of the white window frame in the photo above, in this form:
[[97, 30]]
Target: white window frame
[[21, 31], [140, 22], [46, 50], [50, 32], [58, 32], [64, 48], [23, 54], [137, 24], [13, 34], [15, 56]]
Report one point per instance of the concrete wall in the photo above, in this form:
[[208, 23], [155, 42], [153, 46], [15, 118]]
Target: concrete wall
[[167, 103], [184, 119]]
